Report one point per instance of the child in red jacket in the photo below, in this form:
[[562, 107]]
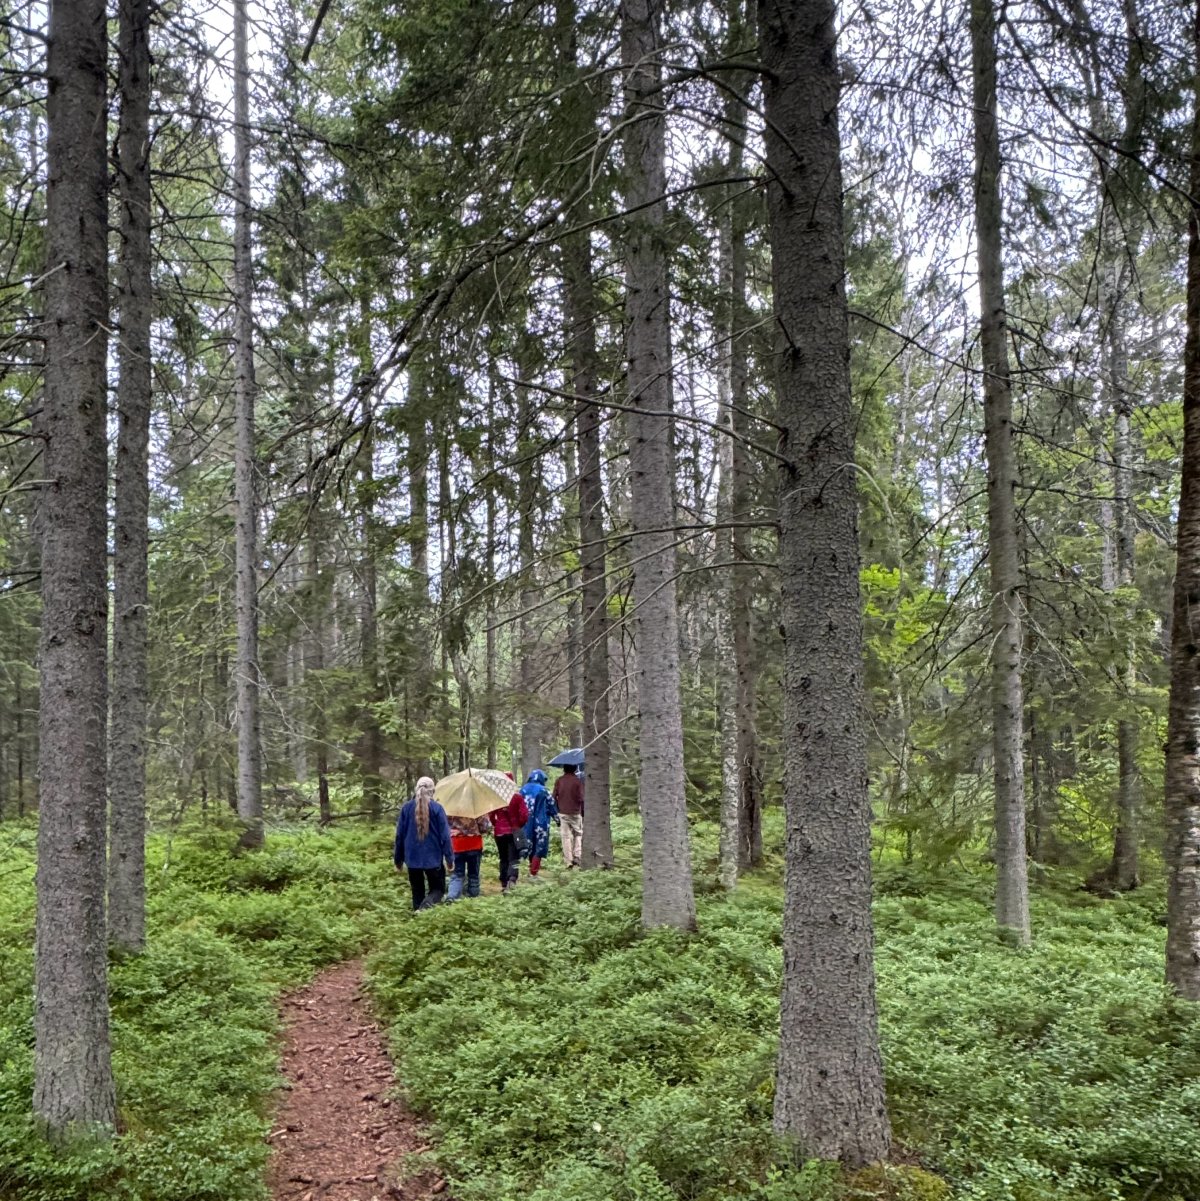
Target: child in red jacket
[[466, 837]]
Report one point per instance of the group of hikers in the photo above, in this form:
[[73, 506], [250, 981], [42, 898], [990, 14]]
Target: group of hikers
[[429, 843]]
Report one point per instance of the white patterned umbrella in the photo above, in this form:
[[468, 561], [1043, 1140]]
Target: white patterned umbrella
[[474, 792]]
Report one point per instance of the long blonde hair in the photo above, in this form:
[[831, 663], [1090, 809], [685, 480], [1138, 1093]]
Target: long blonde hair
[[423, 796]]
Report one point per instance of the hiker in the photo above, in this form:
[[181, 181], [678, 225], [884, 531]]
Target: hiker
[[542, 810], [422, 843], [466, 836], [568, 796], [507, 822]]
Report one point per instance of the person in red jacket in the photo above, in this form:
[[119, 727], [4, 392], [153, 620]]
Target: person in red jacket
[[506, 821]]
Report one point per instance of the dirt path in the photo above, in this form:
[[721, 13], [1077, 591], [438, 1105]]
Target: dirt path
[[337, 1135]]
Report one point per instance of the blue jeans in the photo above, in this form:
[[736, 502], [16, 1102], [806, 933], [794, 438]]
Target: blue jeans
[[466, 865]]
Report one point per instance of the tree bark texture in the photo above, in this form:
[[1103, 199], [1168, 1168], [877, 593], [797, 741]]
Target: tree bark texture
[[445, 717], [73, 1083], [579, 311], [1119, 230], [527, 490], [829, 1094], [249, 774], [314, 654], [1128, 221], [1182, 853], [727, 680], [740, 830], [490, 734], [581, 330], [750, 852], [574, 606], [372, 734], [127, 731], [1012, 884], [20, 738], [418, 506], [453, 636], [1125, 870], [667, 896], [418, 684]]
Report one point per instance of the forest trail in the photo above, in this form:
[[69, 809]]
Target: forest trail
[[337, 1135]]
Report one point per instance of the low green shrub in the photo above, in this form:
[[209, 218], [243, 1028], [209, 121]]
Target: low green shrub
[[563, 1053], [881, 1182], [1064, 1070], [193, 1018]]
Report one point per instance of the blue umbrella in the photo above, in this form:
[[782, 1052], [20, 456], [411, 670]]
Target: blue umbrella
[[573, 757]]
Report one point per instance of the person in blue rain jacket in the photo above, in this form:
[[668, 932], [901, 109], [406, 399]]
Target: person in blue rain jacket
[[542, 811]]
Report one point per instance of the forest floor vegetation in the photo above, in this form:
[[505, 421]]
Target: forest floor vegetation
[[559, 1052]]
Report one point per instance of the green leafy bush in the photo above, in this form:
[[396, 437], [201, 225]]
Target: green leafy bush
[[562, 1053], [193, 1019], [1061, 1071]]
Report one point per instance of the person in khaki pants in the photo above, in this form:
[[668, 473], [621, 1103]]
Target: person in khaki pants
[[568, 796]]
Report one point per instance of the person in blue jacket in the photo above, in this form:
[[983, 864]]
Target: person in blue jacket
[[422, 844], [542, 810]]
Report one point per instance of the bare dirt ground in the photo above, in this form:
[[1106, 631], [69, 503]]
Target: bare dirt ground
[[338, 1135]]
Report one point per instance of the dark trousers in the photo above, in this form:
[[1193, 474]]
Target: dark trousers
[[466, 872], [510, 861], [434, 878]]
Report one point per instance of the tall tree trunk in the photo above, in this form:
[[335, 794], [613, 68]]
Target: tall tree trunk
[[127, 745], [444, 559], [730, 299], [455, 634], [1125, 873], [574, 607], [314, 654], [20, 748], [579, 312], [597, 846], [527, 491], [750, 844], [418, 500], [829, 1094], [372, 761], [73, 1083], [489, 709], [249, 772], [726, 655], [1182, 852], [1119, 232], [1127, 208], [667, 896], [3, 762], [1012, 883], [292, 710], [418, 685]]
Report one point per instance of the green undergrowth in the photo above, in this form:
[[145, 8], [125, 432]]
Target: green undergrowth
[[194, 1018], [563, 1054]]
